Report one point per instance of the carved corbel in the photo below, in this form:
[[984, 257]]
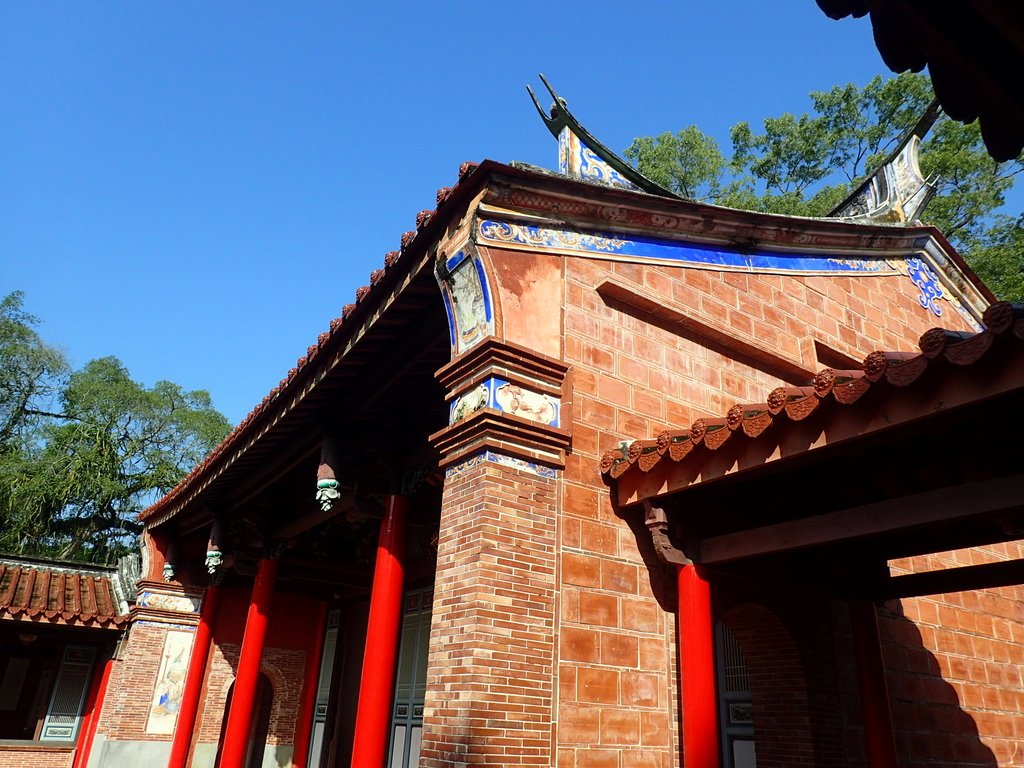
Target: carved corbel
[[327, 486], [216, 561], [657, 523], [170, 563]]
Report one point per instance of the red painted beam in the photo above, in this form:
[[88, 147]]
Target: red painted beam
[[243, 697], [874, 695], [186, 721], [307, 705], [93, 707], [376, 685], [697, 670]]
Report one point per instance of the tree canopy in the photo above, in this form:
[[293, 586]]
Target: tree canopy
[[807, 164], [83, 452]]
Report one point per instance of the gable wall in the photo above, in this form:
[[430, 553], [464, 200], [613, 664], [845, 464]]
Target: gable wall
[[634, 376]]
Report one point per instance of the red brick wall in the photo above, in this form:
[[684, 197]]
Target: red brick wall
[[491, 666], [955, 681], [616, 691], [133, 677], [37, 757], [633, 377], [285, 669], [132, 682]]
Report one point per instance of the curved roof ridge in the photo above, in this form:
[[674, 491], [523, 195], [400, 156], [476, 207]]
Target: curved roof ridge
[[561, 118]]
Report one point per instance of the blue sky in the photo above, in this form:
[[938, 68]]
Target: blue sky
[[198, 188]]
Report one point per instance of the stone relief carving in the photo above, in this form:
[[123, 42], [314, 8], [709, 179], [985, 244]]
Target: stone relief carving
[[534, 406], [470, 402]]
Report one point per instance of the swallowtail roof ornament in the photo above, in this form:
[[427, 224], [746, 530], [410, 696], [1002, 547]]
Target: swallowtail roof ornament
[[580, 154], [897, 192]]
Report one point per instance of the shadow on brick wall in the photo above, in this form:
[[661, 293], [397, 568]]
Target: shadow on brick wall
[[804, 684], [932, 726]]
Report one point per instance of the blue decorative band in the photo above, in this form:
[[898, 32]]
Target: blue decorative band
[[530, 236], [499, 458]]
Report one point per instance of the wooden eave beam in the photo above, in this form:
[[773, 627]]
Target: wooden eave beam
[[306, 522], [889, 517], [970, 577]]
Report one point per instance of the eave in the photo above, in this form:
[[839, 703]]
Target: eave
[[285, 423]]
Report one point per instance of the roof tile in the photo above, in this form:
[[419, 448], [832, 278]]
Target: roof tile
[[235, 439], [45, 593], [845, 387]]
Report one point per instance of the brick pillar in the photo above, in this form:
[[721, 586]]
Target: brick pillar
[[491, 670], [491, 667]]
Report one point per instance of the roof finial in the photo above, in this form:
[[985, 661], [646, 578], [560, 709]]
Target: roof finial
[[580, 154], [897, 191]]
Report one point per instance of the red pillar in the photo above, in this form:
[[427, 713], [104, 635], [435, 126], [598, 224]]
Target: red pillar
[[243, 697], [373, 713], [874, 696], [194, 679], [304, 726], [697, 670], [93, 707]]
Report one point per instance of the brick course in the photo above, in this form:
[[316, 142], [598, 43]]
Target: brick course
[[490, 671], [635, 375], [37, 757]]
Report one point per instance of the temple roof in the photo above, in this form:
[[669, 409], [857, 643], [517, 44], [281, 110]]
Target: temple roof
[[60, 593], [742, 229], [943, 356], [974, 52], [298, 377]]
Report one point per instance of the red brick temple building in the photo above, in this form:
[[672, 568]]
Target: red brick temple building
[[590, 476]]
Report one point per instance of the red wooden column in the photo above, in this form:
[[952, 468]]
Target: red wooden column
[[697, 669], [243, 697], [307, 704], [376, 686], [93, 707], [194, 679], [874, 695]]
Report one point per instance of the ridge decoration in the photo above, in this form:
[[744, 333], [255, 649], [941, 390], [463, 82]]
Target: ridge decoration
[[582, 155], [670, 252]]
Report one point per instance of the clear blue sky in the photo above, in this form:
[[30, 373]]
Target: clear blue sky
[[198, 188]]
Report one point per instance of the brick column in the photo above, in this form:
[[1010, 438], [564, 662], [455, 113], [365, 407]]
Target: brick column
[[491, 667], [491, 670]]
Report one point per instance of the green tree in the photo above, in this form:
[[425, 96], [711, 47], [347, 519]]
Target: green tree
[[30, 373], [999, 257], [806, 164], [688, 162], [86, 451]]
